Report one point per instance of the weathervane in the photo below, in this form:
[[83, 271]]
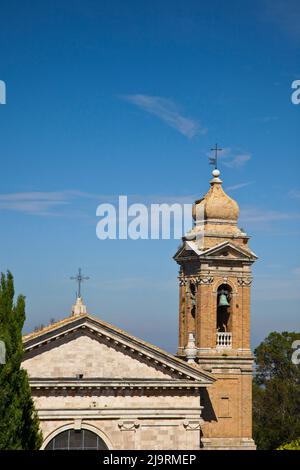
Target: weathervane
[[214, 160], [79, 278]]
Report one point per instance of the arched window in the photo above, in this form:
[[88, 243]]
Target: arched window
[[76, 440], [224, 308], [193, 298]]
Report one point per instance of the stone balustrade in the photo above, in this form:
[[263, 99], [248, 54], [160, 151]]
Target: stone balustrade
[[224, 340]]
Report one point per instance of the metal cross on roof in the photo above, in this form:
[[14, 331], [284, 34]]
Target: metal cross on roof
[[79, 278], [214, 160]]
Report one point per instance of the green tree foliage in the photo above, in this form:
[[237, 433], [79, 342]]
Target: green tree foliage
[[19, 426], [276, 392], [294, 445]]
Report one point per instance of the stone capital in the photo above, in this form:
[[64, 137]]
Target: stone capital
[[244, 281], [205, 280], [182, 280], [192, 425], [197, 280]]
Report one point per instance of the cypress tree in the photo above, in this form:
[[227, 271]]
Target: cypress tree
[[19, 425]]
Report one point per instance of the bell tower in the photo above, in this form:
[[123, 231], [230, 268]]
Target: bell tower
[[214, 315]]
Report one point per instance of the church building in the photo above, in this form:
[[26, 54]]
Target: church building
[[98, 387]]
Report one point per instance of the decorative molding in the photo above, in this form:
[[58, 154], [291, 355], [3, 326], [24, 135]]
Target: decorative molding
[[182, 280], [192, 425], [77, 424], [117, 384], [197, 280], [244, 281], [128, 425], [205, 280]]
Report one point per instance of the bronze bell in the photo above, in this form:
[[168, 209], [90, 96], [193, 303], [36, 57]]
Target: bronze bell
[[223, 302]]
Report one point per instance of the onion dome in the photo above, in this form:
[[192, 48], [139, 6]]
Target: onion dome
[[216, 205]]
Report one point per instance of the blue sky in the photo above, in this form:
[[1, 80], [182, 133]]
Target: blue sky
[[108, 98]]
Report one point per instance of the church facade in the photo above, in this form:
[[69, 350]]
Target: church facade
[[97, 387]]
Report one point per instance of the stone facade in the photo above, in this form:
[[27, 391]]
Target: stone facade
[[87, 374]]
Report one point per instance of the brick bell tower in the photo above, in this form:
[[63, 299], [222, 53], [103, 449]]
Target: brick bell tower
[[214, 316]]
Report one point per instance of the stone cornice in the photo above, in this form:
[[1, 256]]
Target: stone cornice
[[129, 413], [226, 357], [118, 383]]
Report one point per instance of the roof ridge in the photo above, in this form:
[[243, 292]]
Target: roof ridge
[[50, 327]]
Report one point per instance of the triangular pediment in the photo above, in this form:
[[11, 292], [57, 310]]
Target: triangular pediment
[[86, 347], [187, 251], [229, 251], [225, 250]]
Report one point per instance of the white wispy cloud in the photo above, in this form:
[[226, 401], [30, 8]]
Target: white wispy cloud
[[233, 158], [79, 204], [237, 161], [277, 289], [294, 194], [66, 202], [168, 111], [272, 288], [239, 186], [296, 272], [38, 202], [267, 119], [265, 219]]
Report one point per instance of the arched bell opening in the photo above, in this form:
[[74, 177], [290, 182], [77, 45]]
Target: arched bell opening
[[193, 299], [224, 308], [191, 296]]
